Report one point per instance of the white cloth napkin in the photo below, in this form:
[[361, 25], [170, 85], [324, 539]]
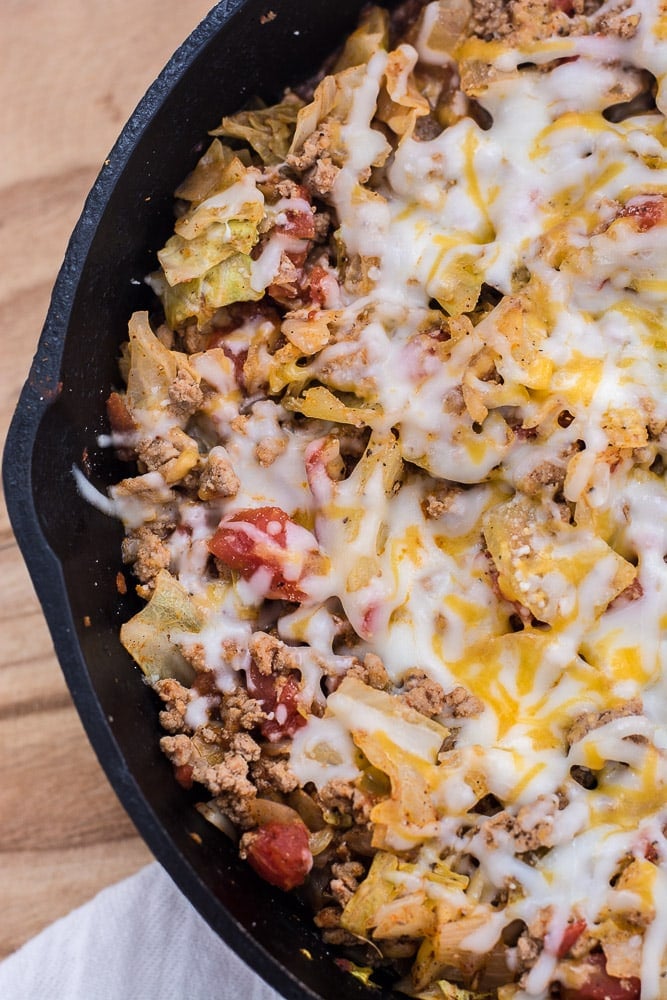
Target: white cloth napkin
[[138, 940]]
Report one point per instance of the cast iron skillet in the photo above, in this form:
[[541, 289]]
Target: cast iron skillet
[[72, 550]]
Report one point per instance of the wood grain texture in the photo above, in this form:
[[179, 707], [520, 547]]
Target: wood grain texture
[[70, 75]]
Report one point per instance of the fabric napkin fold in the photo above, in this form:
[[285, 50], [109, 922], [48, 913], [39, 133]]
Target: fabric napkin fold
[[140, 939]]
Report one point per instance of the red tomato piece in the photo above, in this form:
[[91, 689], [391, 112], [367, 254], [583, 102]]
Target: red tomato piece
[[259, 539], [299, 224], [318, 280], [280, 854], [601, 986], [571, 935], [299, 221], [298, 257], [279, 698]]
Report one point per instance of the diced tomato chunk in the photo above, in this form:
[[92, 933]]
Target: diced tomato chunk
[[571, 935], [601, 986], [262, 538], [316, 279], [322, 286], [299, 224], [299, 221], [280, 853], [279, 698]]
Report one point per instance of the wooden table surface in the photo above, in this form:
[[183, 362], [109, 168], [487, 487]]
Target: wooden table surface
[[70, 74]]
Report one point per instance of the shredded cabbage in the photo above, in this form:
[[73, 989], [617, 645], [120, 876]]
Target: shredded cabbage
[[149, 635], [268, 130]]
